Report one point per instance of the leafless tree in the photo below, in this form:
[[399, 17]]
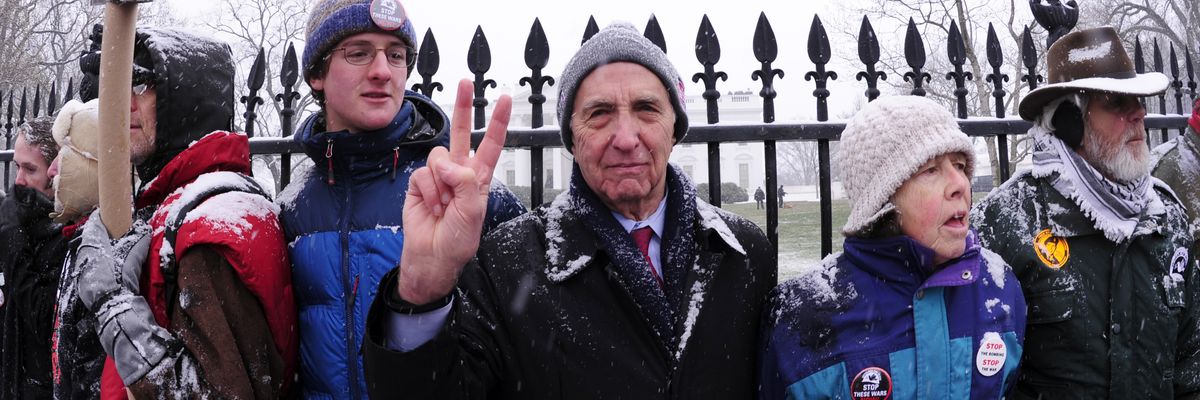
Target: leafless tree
[[270, 25], [62, 35], [798, 162], [1172, 23], [933, 20]]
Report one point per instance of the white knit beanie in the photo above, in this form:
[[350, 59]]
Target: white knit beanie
[[884, 144]]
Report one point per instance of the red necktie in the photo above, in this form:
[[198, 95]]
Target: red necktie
[[641, 236]]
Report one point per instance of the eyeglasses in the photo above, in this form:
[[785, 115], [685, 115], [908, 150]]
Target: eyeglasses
[[363, 54], [1119, 103], [141, 89]]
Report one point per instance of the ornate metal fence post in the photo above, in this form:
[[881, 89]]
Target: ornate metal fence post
[[1030, 59], [428, 62], [70, 93], [8, 142], [8, 126], [708, 52], [1177, 85], [37, 101], [957, 53], [591, 30], [914, 55], [1139, 66], [537, 53], [819, 53], [479, 61], [20, 114], [996, 59], [1162, 97], [654, 33], [52, 102], [287, 78], [1187, 55], [766, 48], [868, 53], [254, 81]]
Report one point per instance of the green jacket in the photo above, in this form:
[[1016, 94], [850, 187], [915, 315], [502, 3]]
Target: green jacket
[[1105, 320], [1179, 167]]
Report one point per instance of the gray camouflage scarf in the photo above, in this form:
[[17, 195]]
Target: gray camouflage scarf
[[1114, 207]]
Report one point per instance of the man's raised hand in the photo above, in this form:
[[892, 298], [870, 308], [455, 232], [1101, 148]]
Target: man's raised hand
[[446, 204]]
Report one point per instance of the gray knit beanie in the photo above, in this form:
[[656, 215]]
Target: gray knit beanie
[[331, 21], [884, 144], [619, 41]]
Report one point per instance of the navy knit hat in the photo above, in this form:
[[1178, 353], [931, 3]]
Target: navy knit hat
[[617, 42], [331, 21]]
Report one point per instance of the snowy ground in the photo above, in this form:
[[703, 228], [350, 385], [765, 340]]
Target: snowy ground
[[792, 263]]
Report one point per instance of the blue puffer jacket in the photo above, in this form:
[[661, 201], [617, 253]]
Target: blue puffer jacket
[[879, 321], [343, 223]]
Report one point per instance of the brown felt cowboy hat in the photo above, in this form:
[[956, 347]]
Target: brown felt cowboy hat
[[1092, 60]]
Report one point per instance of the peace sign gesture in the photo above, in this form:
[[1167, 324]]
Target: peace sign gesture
[[446, 204]]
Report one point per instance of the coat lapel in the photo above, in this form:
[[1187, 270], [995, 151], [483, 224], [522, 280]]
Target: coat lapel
[[574, 240], [714, 239]]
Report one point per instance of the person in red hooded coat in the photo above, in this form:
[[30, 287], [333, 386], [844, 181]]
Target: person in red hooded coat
[[195, 301]]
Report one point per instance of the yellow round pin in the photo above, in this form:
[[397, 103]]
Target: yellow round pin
[[1052, 250]]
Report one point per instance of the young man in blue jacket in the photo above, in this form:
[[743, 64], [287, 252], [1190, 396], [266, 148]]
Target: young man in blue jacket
[[343, 218]]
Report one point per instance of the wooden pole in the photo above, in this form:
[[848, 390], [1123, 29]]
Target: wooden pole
[[116, 66]]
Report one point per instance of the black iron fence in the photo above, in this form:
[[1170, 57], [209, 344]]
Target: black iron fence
[[537, 138]]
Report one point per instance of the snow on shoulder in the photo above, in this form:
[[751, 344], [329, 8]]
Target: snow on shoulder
[[228, 211], [815, 286], [290, 194], [996, 266], [710, 218]]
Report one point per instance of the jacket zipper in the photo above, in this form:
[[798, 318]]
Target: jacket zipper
[[351, 337], [329, 160], [395, 160]]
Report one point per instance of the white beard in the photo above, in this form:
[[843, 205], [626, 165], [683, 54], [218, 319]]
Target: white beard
[[1113, 159]]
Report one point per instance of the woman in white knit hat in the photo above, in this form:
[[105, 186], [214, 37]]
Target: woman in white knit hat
[[913, 307]]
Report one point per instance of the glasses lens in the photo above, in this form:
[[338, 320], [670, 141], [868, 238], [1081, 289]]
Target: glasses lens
[[397, 56], [359, 54], [140, 89]]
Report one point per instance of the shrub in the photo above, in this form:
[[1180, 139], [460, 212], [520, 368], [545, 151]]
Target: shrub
[[730, 193]]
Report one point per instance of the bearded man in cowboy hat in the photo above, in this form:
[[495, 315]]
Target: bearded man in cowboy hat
[[1113, 307]]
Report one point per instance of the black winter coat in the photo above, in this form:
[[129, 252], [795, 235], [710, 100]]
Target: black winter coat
[[31, 260], [546, 312], [1106, 320]]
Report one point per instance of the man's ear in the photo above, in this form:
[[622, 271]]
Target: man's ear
[[317, 83]]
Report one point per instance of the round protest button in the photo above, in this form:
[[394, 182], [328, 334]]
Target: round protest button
[[388, 14], [872, 383], [992, 353]]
